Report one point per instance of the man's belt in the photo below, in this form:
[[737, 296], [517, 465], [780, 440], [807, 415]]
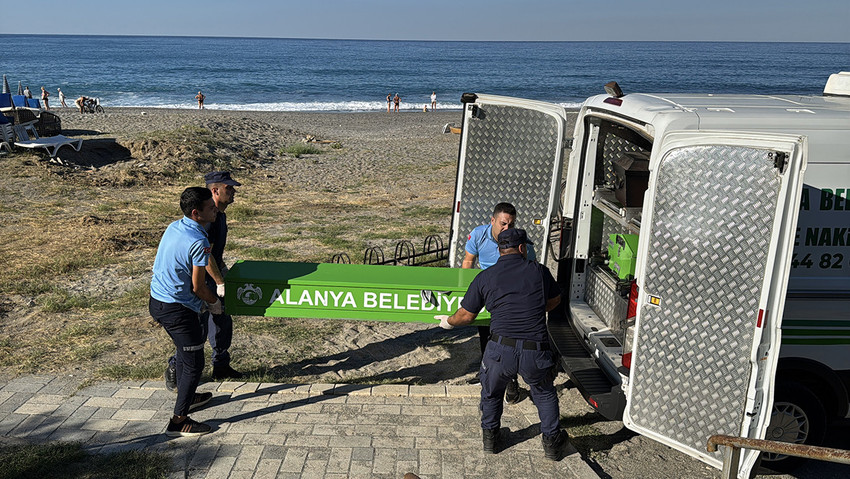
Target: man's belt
[[526, 343]]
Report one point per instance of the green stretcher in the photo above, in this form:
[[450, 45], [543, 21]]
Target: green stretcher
[[404, 294]]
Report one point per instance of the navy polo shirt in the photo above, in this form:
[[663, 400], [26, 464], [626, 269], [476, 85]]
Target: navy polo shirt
[[515, 292], [217, 234]]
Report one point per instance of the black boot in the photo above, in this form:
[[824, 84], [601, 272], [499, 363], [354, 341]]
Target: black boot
[[225, 372], [554, 445], [491, 438], [512, 392]]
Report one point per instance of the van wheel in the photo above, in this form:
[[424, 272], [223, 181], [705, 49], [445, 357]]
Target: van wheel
[[798, 417]]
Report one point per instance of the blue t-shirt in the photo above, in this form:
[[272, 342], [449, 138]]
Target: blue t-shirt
[[183, 245], [515, 292], [480, 243]]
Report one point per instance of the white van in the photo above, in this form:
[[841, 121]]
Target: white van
[[692, 235]]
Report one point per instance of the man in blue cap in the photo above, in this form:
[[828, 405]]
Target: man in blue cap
[[518, 294], [481, 245], [219, 326]]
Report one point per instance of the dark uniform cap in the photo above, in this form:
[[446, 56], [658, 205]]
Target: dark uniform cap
[[221, 177], [513, 237]]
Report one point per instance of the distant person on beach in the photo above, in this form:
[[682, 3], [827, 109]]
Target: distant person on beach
[[27, 92], [389, 100], [178, 294], [44, 96], [200, 97], [433, 101], [62, 98], [396, 101], [81, 102]]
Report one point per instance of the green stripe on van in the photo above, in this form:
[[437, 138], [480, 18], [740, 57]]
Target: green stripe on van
[[808, 323], [816, 332], [816, 341]]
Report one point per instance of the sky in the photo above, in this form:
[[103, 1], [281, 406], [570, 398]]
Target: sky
[[486, 20]]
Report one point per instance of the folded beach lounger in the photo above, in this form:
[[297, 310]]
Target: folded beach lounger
[[33, 103], [19, 101], [50, 143], [7, 135]]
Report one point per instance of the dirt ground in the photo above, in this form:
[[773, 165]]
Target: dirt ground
[[85, 230]]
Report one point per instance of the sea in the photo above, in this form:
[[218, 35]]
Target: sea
[[271, 74]]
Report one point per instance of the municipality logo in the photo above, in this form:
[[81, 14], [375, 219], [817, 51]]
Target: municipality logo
[[249, 294]]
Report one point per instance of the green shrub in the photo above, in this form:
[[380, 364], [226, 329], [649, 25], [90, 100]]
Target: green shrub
[[301, 149]]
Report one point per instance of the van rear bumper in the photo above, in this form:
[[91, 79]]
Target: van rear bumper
[[599, 390]]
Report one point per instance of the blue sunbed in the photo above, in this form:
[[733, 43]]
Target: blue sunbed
[[19, 101], [5, 100], [33, 103]]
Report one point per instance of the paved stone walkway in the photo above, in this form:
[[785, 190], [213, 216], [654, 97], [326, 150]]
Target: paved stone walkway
[[284, 430]]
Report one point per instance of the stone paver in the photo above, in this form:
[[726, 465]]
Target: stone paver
[[287, 430]]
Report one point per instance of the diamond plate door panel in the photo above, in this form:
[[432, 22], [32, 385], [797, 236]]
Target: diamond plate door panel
[[511, 155], [709, 238]]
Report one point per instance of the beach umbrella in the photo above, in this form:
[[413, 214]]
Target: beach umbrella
[[20, 88], [6, 88]]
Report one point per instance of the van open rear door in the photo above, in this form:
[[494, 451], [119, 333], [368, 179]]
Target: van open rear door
[[511, 151], [714, 258]]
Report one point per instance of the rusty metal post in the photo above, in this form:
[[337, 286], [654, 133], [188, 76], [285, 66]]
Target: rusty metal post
[[735, 444], [731, 460]]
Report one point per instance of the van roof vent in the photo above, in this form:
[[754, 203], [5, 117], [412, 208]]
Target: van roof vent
[[838, 85]]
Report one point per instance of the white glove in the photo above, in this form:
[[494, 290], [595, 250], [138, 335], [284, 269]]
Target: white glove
[[219, 290], [444, 321], [215, 308]]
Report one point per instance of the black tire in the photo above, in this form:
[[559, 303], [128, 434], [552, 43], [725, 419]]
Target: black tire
[[798, 417], [98, 109]]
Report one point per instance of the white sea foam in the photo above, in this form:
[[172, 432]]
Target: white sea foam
[[353, 106], [342, 106]]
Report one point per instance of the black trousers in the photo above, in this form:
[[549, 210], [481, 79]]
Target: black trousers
[[184, 327]]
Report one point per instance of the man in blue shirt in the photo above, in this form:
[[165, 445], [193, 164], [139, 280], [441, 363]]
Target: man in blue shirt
[[518, 294], [178, 294], [481, 244]]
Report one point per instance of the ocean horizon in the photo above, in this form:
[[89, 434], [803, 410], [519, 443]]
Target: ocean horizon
[[279, 74]]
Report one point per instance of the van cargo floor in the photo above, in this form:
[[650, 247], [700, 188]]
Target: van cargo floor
[[597, 388]]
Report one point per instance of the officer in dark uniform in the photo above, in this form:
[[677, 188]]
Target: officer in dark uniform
[[518, 294]]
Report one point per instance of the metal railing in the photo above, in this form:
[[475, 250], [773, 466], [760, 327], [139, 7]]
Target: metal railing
[[732, 455], [405, 253]]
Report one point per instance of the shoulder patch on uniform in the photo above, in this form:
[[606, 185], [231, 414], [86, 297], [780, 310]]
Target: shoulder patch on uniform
[[207, 250], [469, 237]]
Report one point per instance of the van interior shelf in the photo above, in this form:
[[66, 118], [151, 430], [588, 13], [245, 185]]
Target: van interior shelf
[[604, 199]]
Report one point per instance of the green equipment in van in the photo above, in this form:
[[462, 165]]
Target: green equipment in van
[[622, 252]]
